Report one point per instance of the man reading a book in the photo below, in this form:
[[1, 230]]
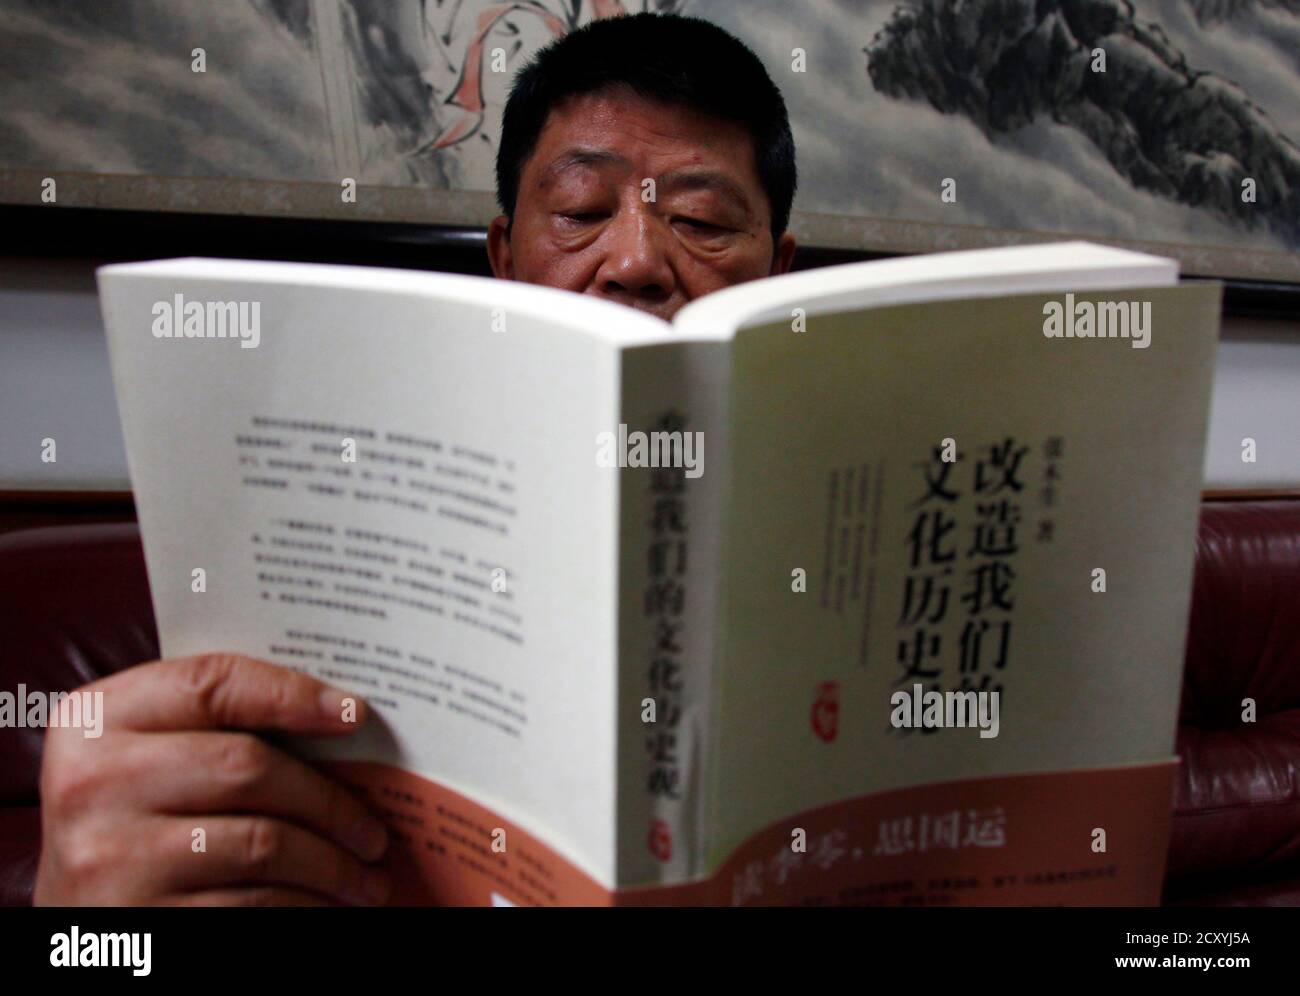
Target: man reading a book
[[644, 159]]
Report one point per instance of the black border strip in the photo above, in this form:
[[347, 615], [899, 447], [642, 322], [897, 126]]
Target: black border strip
[[110, 235]]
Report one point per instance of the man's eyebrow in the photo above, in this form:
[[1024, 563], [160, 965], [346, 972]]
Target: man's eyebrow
[[580, 156], [705, 179]]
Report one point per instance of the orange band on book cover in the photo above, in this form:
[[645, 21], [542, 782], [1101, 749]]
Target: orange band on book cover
[[1092, 837]]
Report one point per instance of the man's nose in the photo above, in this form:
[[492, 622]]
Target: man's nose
[[635, 267]]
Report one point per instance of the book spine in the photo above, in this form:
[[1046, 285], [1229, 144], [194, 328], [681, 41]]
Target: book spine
[[671, 448]]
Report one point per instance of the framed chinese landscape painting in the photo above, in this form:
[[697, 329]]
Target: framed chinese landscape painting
[[921, 125]]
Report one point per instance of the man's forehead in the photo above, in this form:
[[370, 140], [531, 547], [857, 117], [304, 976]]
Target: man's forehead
[[617, 117]]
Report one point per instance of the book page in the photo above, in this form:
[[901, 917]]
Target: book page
[[921, 496], [397, 494], [972, 273]]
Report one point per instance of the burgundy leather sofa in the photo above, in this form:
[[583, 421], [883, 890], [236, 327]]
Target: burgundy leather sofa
[[75, 601]]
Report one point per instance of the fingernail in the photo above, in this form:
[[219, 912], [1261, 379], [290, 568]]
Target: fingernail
[[338, 705], [368, 838]]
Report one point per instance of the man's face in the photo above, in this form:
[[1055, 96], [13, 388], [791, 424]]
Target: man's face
[[583, 222]]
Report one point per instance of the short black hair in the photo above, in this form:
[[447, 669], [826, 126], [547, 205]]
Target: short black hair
[[668, 57]]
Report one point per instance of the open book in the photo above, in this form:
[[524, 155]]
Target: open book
[[866, 584]]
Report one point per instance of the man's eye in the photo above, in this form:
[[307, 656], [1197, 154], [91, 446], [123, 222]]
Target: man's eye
[[582, 217], [701, 226]]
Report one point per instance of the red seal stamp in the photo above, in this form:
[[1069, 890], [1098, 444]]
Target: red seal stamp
[[661, 840], [826, 710]]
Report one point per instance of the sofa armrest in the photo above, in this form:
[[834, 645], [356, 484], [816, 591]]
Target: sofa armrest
[[1237, 810], [20, 850], [1238, 799]]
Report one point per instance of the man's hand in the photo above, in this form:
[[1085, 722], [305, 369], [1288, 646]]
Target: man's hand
[[119, 812]]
